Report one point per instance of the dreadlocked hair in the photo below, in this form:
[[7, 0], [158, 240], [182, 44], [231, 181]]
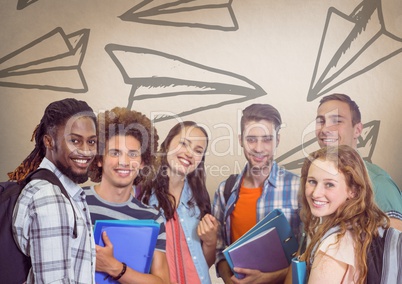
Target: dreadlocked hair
[[56, 114]]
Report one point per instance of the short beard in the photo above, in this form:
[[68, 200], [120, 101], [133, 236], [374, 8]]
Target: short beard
[[261, 170], [77, 178], [264, 170]]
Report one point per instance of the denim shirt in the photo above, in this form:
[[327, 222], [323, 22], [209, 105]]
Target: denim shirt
[[189, 219]]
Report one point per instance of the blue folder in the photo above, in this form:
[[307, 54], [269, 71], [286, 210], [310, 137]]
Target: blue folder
[[276, 219], [133, 242], [299, 271]]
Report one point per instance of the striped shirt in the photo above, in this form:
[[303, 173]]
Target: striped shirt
[[279, 191], [43, 223], [132, 209]]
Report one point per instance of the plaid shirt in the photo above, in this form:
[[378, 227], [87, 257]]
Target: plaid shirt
[[279, 192], [43, 223]]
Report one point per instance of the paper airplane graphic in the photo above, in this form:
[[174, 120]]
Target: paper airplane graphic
[[368, 139], [364, 41], [162, 76], [24, 3], [294, 159], [206, 14], [51, 62]]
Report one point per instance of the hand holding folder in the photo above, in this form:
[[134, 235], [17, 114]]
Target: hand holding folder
[[268, 246], [133, 243]]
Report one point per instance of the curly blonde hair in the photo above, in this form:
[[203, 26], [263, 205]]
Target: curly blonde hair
[[359, 214]]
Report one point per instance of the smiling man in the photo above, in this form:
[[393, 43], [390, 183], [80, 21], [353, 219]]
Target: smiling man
[[261, 187], [338, 122], [127, 147], [44, 219]]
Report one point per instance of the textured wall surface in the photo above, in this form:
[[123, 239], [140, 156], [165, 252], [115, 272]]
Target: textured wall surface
[[205, 61]]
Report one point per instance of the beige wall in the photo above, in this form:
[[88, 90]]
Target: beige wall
[[245, 52]]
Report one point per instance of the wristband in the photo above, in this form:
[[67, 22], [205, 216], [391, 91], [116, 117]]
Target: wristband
[[122, 272]]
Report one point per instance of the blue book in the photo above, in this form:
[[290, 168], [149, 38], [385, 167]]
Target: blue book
[[133, 242], [287, 243]]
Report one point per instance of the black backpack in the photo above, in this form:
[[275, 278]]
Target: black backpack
[[14, 265], [230, 182]]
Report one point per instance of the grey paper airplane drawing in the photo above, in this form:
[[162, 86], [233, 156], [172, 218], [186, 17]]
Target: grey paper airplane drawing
[[51, 62], [366, 38], [155, 75], [205, 14], [24, 3], [294, 159]]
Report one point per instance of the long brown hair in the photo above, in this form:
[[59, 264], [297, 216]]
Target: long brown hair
[[359, 214], [196, 179]]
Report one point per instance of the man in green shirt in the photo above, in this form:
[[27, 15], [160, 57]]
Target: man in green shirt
[[338, 122]]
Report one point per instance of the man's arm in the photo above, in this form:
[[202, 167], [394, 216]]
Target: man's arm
[[258, 277], [387, 194], [252, 276], [224, 271], [288, 278], [389, 198], [160, 267], [218, 208], [39, 223], [396, 223]]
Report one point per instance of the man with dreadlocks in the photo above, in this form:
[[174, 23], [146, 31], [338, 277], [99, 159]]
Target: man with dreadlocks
[[44, 219]]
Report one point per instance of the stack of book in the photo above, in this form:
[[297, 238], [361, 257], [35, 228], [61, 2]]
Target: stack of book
[[268, 246]]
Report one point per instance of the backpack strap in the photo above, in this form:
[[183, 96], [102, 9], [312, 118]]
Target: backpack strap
[[392, 260], [328, 233], [375, 254], [230, 182], [45, 174]]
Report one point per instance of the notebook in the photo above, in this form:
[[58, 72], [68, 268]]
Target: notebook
[[271, 238], [133, 242]]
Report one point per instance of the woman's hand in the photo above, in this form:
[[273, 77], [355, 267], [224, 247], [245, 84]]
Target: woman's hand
[[207, 230]]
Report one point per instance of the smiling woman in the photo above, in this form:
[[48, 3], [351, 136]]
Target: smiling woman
[[326, 188], [179, 191], [186, 151], [336, 192]]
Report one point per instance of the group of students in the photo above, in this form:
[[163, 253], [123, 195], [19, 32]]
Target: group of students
[[118, 151]]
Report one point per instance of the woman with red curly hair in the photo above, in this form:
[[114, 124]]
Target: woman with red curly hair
[[336, 192]]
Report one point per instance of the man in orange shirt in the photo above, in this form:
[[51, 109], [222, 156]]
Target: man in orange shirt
[[262, 185]]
